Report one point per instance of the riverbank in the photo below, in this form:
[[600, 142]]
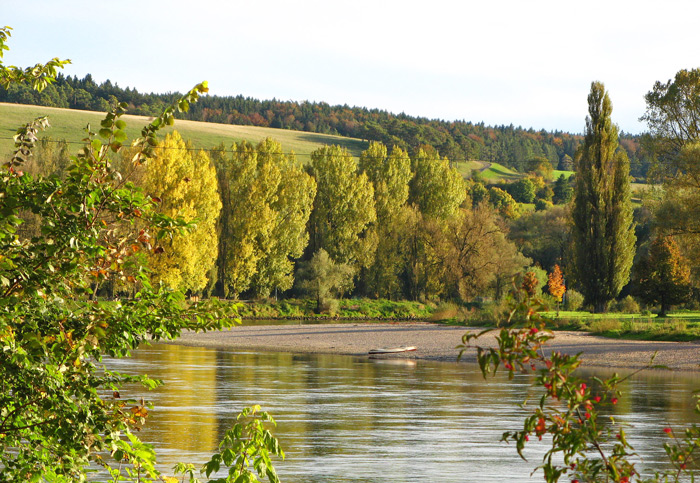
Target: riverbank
[[436, 342]]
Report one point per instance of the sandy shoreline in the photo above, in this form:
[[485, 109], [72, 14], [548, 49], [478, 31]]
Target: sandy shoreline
[[435, 342]]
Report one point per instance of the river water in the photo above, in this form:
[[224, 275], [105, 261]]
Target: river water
[[354, 419]]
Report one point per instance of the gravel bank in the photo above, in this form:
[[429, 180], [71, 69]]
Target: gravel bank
[[435, 342]]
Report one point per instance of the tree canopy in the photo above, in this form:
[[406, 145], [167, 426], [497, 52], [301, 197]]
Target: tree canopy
[[603, 231]]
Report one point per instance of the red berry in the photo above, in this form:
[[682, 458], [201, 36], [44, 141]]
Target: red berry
[[614, 400], [597, 399], [668, 430]]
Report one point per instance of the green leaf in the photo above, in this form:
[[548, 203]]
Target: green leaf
[[120, 136], [105, 133]]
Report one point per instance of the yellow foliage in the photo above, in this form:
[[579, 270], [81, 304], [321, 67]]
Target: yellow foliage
[[187, 186]]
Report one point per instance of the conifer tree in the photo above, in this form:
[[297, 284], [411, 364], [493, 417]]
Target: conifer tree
[[603, 230]]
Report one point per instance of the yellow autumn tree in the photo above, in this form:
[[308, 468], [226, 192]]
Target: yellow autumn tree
[[267, 202], [185, 183]]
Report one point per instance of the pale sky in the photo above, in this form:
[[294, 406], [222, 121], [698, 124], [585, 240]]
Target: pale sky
[[524, 62]]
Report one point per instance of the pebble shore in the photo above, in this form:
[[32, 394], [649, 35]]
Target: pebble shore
[[436, 342]]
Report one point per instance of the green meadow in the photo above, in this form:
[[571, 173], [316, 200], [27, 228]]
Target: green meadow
[[70, 125]]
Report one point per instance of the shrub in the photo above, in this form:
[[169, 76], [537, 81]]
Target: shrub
[[542, 205], [627, 305], [573, 300]]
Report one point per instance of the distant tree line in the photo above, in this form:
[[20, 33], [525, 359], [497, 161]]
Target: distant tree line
[[457, 140]]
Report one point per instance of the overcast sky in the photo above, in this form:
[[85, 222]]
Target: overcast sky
[[524, 62]]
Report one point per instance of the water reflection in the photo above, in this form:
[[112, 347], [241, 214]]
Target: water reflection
[[344, 419]]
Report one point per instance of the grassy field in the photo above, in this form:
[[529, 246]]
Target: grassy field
[[680, 326], [490, 172], [70, 124], [556, 173]]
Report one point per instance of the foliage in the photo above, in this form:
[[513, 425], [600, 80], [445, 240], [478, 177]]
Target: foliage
[[563, 192], [324, 279], [267, 201], [343, 208], [555, 283], [478, 254], [543, 236], [672, 115], [247, 446], [39, 77], [184, 184], [390, 175], [60, 409], [603, 231], [673, 112], [436, 188], [503, 203], [626, 305], [662, 276], [523, 190], [573, 300], [583, 443], [459, 140], [542, 205], [540, 166]]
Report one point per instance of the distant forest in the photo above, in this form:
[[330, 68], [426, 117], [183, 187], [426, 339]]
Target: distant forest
[[458, 140]]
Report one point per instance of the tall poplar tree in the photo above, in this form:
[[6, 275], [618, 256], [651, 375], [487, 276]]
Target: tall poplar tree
[[186, 184], [343, 208], [390, 175], [603, 230]]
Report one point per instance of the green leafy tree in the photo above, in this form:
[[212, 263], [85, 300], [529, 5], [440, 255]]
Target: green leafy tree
[[673, 117], [436, 188], [504, 203], [186, 185], [423, 248], [478, 254], [603, 230], [291, 203], [324, 279], [543, 236], [390, 175], [673, 113], [267, 204], [61, 410], [523, 190], [662, 275], [343, 208], [563, 191], [540, 166], [477, 192]]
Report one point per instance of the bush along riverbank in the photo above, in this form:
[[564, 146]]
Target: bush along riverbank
[[350, 309], [676, 327]]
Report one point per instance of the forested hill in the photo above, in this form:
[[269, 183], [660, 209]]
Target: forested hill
[[458, 140]]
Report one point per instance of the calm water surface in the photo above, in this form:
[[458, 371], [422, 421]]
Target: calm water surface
[[350, 419]]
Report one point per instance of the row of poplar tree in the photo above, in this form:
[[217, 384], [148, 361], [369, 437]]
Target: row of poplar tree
[[402, 227], [398, 226]]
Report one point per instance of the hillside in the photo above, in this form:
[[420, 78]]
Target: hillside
[[68, 124], [459, 140]]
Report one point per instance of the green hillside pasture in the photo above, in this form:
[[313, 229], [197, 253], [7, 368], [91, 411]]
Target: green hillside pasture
[[556, 173], [69, 124], [490, 172]]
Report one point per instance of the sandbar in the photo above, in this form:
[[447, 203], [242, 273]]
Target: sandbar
[[436, 342]]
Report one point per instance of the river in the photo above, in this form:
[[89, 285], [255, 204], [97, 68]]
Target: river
[[354, 419]]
